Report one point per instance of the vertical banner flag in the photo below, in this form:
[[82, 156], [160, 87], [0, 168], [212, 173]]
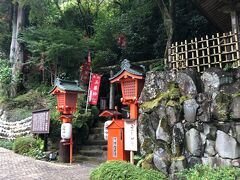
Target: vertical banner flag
[[86, 68], [94, 89]]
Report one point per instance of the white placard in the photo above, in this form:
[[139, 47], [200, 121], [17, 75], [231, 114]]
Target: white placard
[[106, 124], [130, 135]]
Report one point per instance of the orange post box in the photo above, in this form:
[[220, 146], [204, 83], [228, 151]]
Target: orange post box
[[116, 137]]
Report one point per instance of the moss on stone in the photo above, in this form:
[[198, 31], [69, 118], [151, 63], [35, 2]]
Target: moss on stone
[[222, 105], [172, 93], [147, 145], [147, 163], [182, 99], [236, 94], [179, 158]]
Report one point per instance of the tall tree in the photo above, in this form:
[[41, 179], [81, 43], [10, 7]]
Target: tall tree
[[167, 9], [16, 48]]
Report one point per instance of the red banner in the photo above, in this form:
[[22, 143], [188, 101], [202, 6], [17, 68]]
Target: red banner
[[86, 68], [94, 89]]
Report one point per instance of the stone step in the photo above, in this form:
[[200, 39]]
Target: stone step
[[86, 147], [91, 153], [96, 130], [82, 158], [96, 136], [96, 142]]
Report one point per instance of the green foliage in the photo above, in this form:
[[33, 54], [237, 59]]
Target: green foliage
[[57, 46], [5, 76], [55, 132], [124, 171], [203, 172], [22, 106], [6, 144], [158, 66], [29, 146], [5, 35]]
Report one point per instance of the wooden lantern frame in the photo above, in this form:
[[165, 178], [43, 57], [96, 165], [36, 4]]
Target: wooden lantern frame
[[67, 94], [132, 81]]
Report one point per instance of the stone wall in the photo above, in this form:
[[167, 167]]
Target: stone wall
[[11, 130], [188, 118]]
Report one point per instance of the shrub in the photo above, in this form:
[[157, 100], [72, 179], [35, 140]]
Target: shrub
[[202, 172], [29, 146], [6, 144], [124, 170]]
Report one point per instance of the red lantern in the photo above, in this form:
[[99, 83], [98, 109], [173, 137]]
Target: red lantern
[[67, 93], [132, 80]]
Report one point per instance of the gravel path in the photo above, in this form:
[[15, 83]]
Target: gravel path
[[17, 167]]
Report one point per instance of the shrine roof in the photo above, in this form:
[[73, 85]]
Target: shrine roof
[[132, 69], [66, 85]]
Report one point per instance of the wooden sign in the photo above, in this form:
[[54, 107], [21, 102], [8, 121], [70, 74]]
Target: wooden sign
[[40, 121], [130, 135]]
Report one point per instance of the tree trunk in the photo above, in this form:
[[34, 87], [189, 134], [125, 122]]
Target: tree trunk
[[167, 11], [16, 49]]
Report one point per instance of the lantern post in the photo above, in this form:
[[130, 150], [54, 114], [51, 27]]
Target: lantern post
[[67, 94], [131, 78]]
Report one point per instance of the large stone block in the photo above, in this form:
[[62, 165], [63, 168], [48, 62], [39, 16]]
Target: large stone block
[[155, 82], [236, 163], [173, 115], [178, 164], [192, 161], [227, 146], [161, 160], [163, 131], [190, 107], [236, 131], [213, 78], [204, 110], [177, 145], [193, 142], [187, 82], [216, 161], [235, 108], [210, 148], [210, 130]]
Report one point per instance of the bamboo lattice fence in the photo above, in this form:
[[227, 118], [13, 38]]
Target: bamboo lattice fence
[[203, 53]]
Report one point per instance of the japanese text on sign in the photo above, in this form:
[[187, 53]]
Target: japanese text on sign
[[114, 148], [130, 131], [106, 124], [40, 121], [94, 89]]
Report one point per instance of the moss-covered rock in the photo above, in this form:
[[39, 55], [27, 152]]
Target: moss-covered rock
[[221, 107], [147, 163]]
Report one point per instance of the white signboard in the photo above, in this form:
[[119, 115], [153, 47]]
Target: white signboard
[[106, 124], [130, 135]]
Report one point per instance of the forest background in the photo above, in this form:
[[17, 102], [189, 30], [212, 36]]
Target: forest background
[[44, 39], [40, 38]]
